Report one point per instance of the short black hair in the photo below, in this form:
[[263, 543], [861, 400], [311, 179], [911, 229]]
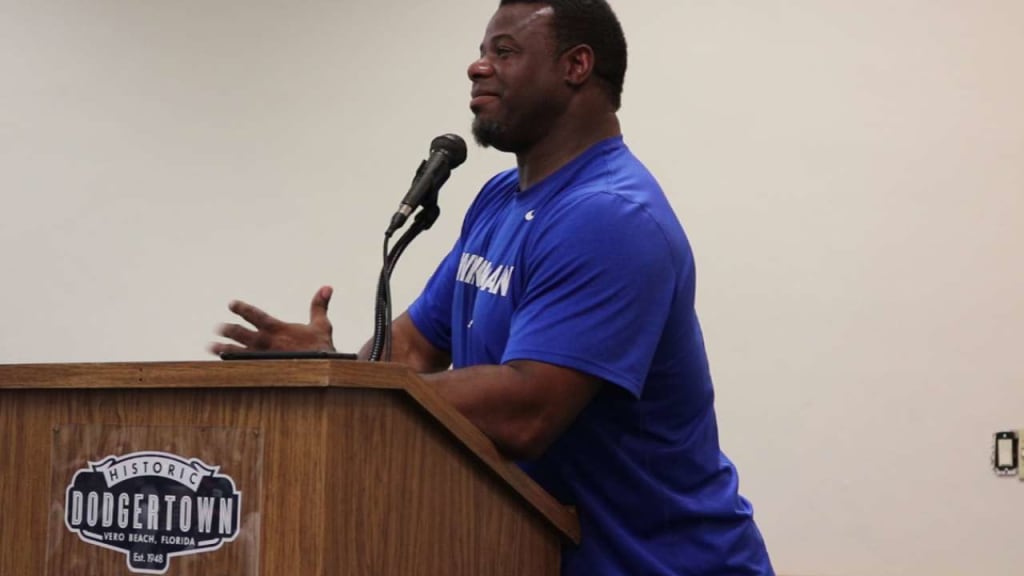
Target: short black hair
[[594, 23]]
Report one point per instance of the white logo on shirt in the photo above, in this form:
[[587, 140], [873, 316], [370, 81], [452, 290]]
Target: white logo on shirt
[[530, 215], [487, 277]]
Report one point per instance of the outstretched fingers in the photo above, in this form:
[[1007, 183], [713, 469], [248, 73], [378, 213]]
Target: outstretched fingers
[[240, 334], [269, 333], [254, 315]]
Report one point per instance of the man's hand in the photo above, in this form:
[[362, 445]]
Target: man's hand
[[273, 334]]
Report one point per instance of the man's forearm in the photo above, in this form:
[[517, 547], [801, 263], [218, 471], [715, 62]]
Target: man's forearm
[[410, 347], [522, 406]]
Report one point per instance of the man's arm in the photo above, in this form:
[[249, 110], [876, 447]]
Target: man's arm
[[522, 406], [410, 347]]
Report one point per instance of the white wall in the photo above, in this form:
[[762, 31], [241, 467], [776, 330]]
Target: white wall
[[851, 175]]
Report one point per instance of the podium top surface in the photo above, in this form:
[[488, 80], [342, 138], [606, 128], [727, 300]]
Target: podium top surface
[[209, 374], [294, 374]]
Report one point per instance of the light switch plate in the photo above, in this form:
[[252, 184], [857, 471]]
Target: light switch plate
[[1006, 454]]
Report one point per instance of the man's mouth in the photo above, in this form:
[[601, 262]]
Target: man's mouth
[[480, 100]]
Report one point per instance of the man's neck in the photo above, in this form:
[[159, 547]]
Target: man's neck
[[561, 145]]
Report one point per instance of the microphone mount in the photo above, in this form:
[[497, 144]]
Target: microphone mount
[[446, 153]]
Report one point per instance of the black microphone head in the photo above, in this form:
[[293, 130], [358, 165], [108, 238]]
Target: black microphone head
[[453, 146]]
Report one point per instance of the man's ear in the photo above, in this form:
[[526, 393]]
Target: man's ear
[[579, 65]]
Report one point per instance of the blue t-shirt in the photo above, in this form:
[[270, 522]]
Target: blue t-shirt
[[590, 269]]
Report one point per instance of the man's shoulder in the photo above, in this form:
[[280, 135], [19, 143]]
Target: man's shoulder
[[615, 175], [621, 195], [625, 206]]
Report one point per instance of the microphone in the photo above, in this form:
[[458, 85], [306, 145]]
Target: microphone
[[447, 152]]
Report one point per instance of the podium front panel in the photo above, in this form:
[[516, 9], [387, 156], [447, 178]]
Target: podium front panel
[[174, 500], [298, 467]]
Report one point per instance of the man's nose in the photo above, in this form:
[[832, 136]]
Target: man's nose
[[480, 68]]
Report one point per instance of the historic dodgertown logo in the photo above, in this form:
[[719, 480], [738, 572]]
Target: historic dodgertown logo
[[153, 506]]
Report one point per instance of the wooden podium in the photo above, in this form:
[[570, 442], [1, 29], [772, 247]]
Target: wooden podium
[[278, 468]]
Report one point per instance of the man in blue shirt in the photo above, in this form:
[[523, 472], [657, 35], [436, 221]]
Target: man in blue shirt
[[566, 311]]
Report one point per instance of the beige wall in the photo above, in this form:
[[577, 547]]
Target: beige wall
[[851, 175]]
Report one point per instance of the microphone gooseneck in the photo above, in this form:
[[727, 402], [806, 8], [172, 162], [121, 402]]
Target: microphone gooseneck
[[447, 152]]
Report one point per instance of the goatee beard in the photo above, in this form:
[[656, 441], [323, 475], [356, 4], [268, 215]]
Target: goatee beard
[[488, 133]]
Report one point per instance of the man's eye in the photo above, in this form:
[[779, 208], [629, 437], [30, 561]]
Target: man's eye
[[502, 51]]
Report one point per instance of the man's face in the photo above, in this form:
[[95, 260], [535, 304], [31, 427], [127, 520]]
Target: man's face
[[518, 82]]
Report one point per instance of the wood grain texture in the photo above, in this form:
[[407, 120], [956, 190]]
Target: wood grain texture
[[427, 507], [295, 374], [355, 456], [292, 467], [562, 518], [238, 452]]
